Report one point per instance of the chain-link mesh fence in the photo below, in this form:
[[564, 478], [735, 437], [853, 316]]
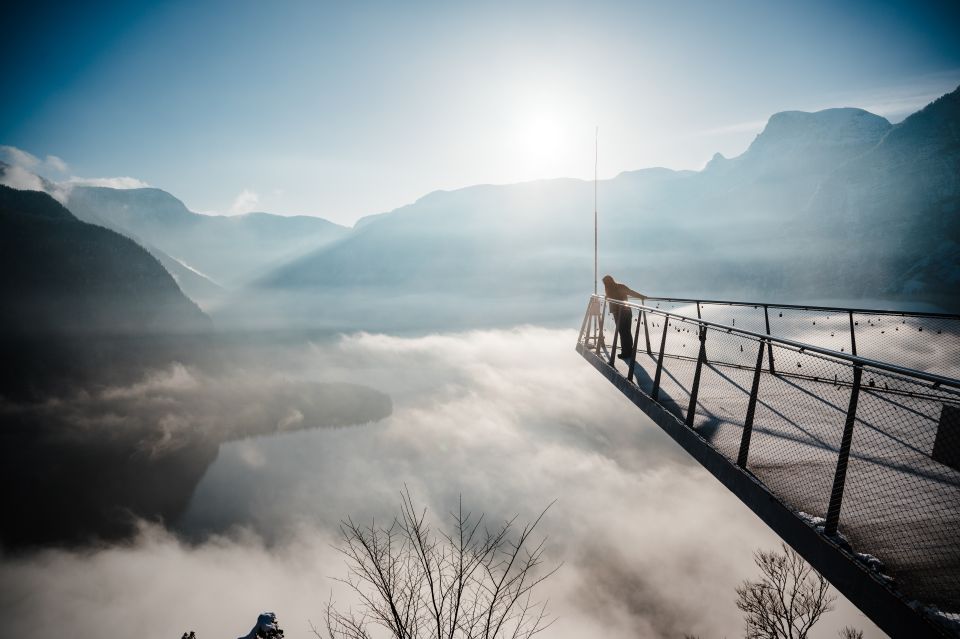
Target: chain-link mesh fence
[[783, 410]]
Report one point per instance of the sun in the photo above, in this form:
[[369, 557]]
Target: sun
[[540, 136], [542, 131]]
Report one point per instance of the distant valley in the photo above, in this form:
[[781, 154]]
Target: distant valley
[[115, 393], [207, 254]]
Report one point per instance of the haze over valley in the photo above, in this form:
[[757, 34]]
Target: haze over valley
[[834, 205]]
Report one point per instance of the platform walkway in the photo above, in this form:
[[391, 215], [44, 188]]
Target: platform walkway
[[855, 463]]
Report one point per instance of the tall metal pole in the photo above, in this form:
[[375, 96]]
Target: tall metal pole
[[596, 144]]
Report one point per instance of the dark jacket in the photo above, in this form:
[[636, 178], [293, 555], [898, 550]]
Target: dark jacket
[[620, 292]]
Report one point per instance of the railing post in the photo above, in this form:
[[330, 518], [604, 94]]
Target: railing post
[[704, 350], [751, 409], [603, 311], [839, 479], [633, 357], [646, 331], [766, 318], [616, 335], [695, 389], [587, 325], [655, 393], [853, 336]]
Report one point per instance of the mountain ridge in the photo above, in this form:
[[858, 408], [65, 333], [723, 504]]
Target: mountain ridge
[[810, 185], [747, 226], [228, 250], [61, 270]]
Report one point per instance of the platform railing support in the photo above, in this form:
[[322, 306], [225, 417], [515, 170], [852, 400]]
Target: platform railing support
[[616, 336], [646, 331], [700, 318], [766, 319], [655, 393], [839, 478], [853, 336], [588, 329], [633, 356], [695, 389], [751, 409], [603, 311]]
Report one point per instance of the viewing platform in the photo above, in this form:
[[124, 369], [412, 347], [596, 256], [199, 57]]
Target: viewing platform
[[839, 427]]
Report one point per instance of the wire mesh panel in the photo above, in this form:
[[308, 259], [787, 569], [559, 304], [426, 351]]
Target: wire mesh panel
[[797, 429], [826, 329], [675, 383], [678, 307], [902, 497], [724, 393], [746, 318], [871, 447], [921, 341], [925, 343]]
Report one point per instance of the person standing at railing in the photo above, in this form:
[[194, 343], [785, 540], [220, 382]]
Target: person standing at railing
[[623, 316]]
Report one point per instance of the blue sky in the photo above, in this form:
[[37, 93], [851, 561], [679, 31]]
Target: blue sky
[[347, 109]]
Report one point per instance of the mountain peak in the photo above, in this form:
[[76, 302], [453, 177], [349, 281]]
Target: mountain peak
[[151, 195], [843, 126], [718, 160]]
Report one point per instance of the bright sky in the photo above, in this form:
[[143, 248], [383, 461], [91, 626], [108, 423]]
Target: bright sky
[[346, 109]]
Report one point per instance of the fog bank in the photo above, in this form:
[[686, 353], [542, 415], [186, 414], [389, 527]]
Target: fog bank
[[652, 545]]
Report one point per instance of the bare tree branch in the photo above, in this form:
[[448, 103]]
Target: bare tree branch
[[787, 601], [416, 583]]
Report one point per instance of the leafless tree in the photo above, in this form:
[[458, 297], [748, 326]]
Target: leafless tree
[[851, 633], [414, 582], [789, 598]]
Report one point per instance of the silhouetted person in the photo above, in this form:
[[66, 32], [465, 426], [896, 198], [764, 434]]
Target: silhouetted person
[[614, 290]]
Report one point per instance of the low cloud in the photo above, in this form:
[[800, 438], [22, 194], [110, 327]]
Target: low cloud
[[109, 182], [51, 175], [57, 164], [180, 406], [18, 177], [217, 588], [18, 157], [245, 202], [25, 171], [652, 545]]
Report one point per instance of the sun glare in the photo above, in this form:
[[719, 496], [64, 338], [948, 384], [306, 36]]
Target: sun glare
[[542, 133], [540, 140]]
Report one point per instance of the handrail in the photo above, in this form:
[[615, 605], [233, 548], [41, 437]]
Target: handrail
[[939, 380], [809, 307]]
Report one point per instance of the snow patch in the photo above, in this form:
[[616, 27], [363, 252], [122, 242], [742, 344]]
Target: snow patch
[[193, 270], [875, 565], [949, 620]]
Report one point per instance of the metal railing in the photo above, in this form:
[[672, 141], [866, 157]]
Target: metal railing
[[868, 450], [910, 339]]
